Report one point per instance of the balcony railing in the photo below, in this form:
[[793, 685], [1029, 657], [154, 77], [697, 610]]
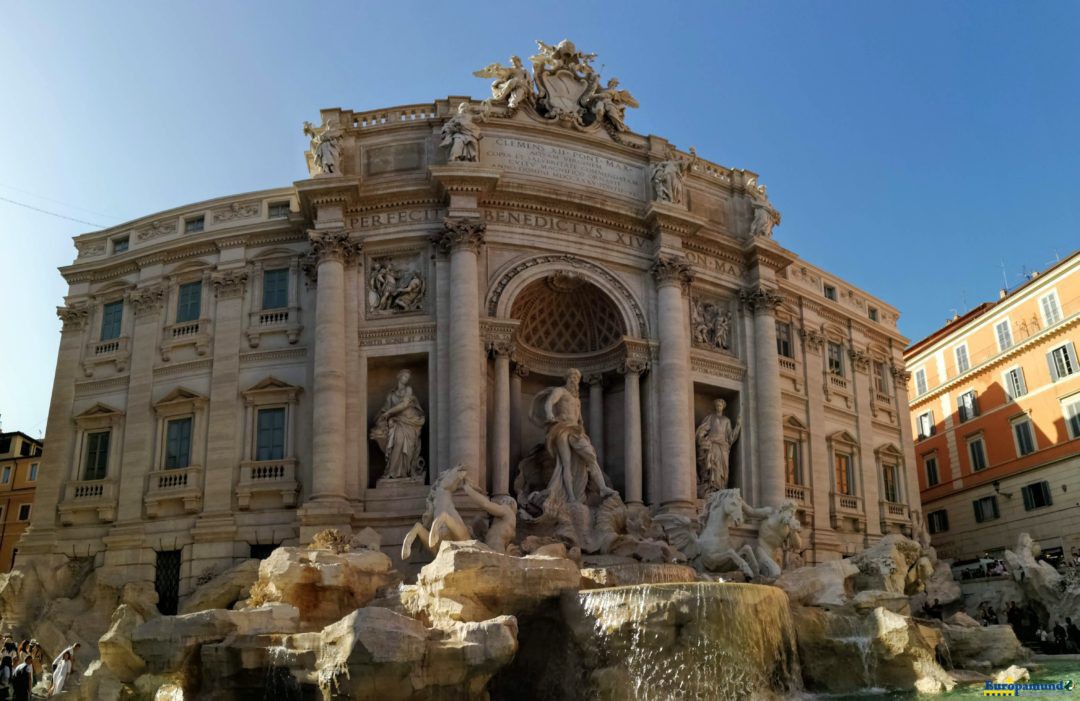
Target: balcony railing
[[98, 496], [397, 115], [893, 512], [787, 364], [838, 382], [847, 504], [282, 320], [182, 484], [270, 477], [797, 493], [196, 333]]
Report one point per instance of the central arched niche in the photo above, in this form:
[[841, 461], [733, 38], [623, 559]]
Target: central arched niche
[[565, 315]]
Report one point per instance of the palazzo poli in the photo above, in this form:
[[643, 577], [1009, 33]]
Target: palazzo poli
[[245, 372]]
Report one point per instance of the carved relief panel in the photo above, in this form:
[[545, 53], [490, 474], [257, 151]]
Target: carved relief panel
[[712, 324], [396, 283]]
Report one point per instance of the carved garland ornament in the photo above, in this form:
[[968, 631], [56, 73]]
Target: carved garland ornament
[[229, 283], [571, 262], [146, 300]]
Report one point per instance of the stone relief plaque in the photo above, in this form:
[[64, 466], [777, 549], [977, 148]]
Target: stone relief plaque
[[393, 158], [563, 164], [711, 324], [396, 284]]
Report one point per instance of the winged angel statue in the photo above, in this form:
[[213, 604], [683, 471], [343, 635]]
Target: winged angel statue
[[512, 83]]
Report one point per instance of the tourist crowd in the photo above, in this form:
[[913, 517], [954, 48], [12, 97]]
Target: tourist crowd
[[22, 665]]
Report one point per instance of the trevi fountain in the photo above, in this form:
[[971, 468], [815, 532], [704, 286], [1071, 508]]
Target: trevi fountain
[[504, 401]]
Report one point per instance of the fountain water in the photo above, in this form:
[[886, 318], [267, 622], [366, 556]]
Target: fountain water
[[687, 641]]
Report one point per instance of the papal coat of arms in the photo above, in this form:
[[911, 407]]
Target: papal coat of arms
[[564, 88]]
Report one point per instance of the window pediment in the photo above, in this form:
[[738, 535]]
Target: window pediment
[[792, 423], [98, 415], [889, 450], [271, 390], [843, 438], [180, 401]]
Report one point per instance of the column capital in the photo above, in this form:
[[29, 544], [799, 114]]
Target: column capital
[[147, 300], [333, 245], [501, 347], [229, 283], [595, 379], [460, 233], [521, 371], [859, 359], [74, 317], [673, 270], [900, 375], [633, 365], [812, 338], [761, 299]]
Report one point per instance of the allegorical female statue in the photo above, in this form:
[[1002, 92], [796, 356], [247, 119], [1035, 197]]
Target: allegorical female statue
[[462, 135], [397, 431], [715, 435], [558, 410]]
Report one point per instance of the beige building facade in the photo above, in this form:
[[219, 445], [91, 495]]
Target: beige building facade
[[230, 374]]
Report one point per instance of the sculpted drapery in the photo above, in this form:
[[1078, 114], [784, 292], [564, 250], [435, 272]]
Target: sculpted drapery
[[397, 430]]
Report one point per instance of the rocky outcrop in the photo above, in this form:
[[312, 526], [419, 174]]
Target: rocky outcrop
[[888, 565], [115, 647], [827, 584], [982, 647], [841, 652], [224, 590], [470, 582], [625, 574], [322, 585]]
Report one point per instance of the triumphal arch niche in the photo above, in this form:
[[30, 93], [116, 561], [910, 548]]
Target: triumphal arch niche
[[339, 343]]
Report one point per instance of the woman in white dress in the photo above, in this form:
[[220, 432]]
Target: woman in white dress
[[60, 674]]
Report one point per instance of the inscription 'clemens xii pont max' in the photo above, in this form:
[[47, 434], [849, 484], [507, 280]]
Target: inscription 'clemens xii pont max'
[[564, 164]]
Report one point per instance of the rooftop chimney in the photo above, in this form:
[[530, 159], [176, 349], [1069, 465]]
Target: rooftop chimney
[[1003, 293]]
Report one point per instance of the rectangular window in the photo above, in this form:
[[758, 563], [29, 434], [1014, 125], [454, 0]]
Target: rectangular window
[[24, 512], [5, 474], [270, 434], [194, 225], [967, 406], [783, 339], [1024, 435], [845, 480], [120, 245], [276, 289], [986, 509], [977, 453], [177, 443], [1004, 335], [1015, 386], [278, 210], [1062, 361], [930, 465], [1070, 407], [937, 521], [189, 302], [920, 381], [872, 312], [33, 472], [111, 316], [926, 425], [836, 359], [962, 361], [881, 377], [792, 461], [97, 456], [1050, 309], [830, 292], [1036, 495], [891, 480]]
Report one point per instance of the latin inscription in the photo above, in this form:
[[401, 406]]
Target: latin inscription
[[713, 264], [545, 222], [563, 164], [404, 216]]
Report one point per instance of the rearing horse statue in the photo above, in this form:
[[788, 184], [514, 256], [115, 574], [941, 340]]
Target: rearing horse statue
[[712, 550]]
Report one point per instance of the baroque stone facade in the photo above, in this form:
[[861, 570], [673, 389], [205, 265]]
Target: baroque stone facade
[[225, 365]]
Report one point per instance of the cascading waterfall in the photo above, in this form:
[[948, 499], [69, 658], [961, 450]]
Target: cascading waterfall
[[696, 640], [279, 684]]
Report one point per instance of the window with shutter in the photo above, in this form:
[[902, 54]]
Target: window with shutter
[[920, 381], [1015, 385], [1062, 361], [985, 509], [1025, 436], [1004, 335], [1050, 309], [937, 521], [1036, 496], [962, 363], [967, 406], [977, 452], [1070, 408], [926, 425], [931, 471]]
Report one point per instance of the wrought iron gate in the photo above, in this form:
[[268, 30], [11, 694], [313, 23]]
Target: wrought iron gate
[[167, 581]]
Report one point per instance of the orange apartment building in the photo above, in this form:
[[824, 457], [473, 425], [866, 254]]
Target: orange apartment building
[[995, 407], [20, 460]]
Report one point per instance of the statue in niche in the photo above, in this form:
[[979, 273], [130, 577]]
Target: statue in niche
[[765, 215], [325, 147], [441, 521], [462, 135], [711, 325], [558, 410], [394, 289], [778, 533], [667, 177], [609, 103], [712, 549], [397, 431], [512, 84], [715, 436]]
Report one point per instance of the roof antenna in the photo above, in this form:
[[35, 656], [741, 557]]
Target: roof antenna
[[1004, 276]]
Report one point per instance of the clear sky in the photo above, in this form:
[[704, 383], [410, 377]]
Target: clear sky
[[913, 147]]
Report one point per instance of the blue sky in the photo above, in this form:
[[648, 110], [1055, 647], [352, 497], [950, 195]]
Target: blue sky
[[912, 146]]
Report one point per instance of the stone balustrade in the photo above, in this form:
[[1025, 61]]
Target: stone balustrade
[[183, 485], [97, 497], [276, 478]]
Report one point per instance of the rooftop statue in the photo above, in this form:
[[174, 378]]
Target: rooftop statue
[[325, 147], [667, 177], [512, 83], [765, 215], [462, 135]]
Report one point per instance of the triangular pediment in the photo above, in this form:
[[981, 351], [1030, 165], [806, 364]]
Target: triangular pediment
[[793, 422], [889, 449], [180, 394], [843, 437], [270, 383], [99, 410], [272, 387]]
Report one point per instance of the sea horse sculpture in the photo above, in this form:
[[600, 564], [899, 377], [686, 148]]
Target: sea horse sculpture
[[712, 550]]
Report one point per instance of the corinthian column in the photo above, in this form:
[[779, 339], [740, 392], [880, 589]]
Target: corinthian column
[[631, 370], [596, 415], [462, 238], [500, 439], [678, 472], [332, 249], [768, 427]]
